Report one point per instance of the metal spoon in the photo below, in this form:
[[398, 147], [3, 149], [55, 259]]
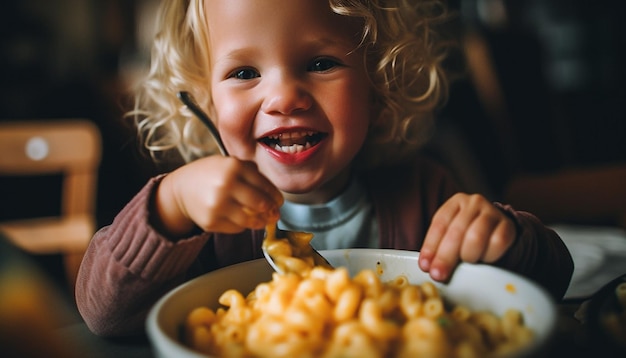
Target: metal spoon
[[299, 248], [193, 106]]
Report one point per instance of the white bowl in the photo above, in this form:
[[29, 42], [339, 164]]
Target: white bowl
[[476, 286]]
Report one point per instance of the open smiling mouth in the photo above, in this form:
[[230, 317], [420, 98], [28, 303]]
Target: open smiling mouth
[[293, 142]]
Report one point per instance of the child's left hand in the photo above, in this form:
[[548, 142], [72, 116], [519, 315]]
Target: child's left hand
[[465, 228]]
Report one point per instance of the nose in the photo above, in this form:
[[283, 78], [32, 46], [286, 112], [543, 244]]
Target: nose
[[286, 95]]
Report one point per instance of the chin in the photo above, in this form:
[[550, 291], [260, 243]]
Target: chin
[[296, 189], [296, 186]]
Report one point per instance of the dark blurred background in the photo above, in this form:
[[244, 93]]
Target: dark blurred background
[[74, 58], [557, 102]]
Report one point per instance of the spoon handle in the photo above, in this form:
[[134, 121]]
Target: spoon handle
[[193, 106]]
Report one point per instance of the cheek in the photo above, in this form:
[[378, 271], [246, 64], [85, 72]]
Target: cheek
[[356, 130], [354, 115], [350, 131], [233, 125]]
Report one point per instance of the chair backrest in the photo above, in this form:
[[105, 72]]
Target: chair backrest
[[70, 147]]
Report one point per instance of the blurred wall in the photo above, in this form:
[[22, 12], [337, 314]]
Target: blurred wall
[[560, 70]]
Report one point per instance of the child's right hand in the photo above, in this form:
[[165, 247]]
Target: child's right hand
[[217, 194]]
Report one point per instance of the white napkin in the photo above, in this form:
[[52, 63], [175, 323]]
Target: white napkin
[[599, 255]]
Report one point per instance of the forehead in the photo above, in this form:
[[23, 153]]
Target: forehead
[[244, 21]]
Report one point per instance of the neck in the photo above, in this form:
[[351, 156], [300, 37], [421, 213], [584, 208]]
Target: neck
[[324, 193]]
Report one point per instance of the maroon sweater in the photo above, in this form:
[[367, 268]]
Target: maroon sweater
[[129, 265]]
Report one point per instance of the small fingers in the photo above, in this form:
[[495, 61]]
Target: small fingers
[[255, 201], [440, 251], [476, 241], [502, 238], [229, 218], [466, 228], [259, 199], [228, 195], [488, 237], [232, 217], [448, 252], [435, 234], [270, 196], [260, 219]]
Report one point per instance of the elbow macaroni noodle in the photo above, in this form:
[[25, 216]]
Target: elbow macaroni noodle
[[326, 313], [292, 253]]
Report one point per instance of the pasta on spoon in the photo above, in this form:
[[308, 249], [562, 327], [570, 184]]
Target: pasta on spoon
[[291, 251]]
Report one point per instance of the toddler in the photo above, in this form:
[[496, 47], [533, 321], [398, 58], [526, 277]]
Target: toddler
[[323, 106]]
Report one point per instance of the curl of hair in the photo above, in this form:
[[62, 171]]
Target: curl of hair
[[179, 61], [403, 54]]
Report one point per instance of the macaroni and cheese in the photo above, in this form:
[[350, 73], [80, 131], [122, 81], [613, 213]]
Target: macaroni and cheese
[[326, 313]]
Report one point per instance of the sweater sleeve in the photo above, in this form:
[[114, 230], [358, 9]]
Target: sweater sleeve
[[128, 266]]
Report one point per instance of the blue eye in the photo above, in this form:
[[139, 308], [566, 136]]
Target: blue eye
[[322, 65], [245, 74]]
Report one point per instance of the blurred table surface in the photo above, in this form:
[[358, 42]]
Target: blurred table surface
[[86, 344]]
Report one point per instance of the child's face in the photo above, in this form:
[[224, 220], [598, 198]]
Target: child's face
[[290, 92]]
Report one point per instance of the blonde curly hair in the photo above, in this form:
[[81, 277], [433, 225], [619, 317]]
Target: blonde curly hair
[[403, 53]]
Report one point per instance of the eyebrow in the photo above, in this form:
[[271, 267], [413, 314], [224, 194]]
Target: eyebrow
[[334, 42], [316, 44], [234, 55]]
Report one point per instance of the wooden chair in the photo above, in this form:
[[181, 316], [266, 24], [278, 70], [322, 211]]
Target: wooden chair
[[71, 148]]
